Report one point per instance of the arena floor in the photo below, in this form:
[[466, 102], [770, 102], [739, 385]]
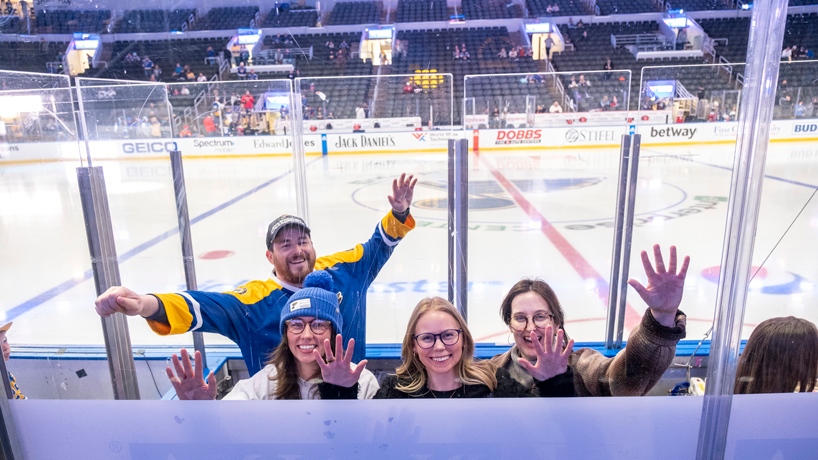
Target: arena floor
[[682, 200]]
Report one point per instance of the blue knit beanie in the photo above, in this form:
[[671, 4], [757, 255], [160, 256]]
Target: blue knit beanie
[[318, 298]]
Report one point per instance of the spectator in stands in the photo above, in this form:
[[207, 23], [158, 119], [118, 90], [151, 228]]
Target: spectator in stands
[[781, 356], [157, 72], [573, 83], [330, 45], [190, 76], [800, 109], [502, 54], [456, 52], [605, 103], [549, 43], [201, 78], [583, 82], [783, 88], [6, 348], [407, 88], [607, 66], [555, 8], [245, 55], [549, 10], [248, 102], [131, 58], [185, 132], [614, 103], [809, 54], [384, 58], [786, 54], [242, 71], [540, 109], [153, 78], [178, 71], [571, 24], [512, 54], [580, 25], [534, 316], [147, 65], [464, 55], [210, 56], [330, 116], [252, 75], [584, 36], [555, 108], [811, 107], [344, 45], [184, 91], [359, 112]]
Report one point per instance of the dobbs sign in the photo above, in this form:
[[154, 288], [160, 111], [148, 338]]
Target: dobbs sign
[[518, 136]]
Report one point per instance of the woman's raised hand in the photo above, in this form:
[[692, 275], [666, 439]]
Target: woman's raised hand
[[552, 360], [190, 384], [339, 371]]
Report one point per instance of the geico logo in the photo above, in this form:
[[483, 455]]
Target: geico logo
[[214, 143], [673, 132], [805, 128], [149, 147], [520, 134]]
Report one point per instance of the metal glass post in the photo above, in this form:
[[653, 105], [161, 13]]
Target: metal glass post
[[299, 162], [627, 238], [106, 274], [616, 255], [761, 77], [450, 215], [9, 441], [461, 225], [184, 232]]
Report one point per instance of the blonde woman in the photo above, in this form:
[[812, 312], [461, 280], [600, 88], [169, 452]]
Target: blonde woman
[[438, 362]]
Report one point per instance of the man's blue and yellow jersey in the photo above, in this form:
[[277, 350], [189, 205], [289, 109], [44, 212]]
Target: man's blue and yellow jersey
[[14, 388], [249, 315]]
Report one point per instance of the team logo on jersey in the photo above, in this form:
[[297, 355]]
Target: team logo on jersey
[[240, 290], [775, 283], [340, 298], [488, 195]]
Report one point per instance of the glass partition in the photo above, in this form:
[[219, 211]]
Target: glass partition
[[236, 145], [373, 130], [41, 222], [542, 193], [129, 134]]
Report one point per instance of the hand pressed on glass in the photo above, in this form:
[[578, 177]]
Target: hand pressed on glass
[[339, 371], [190, 383], [665, 287], [552, 360]]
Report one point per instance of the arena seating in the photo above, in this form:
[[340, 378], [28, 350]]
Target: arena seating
[[701, 5], [286, 17], [422, 10], [355, 13], [802, 30], [70, 21], [227, 18], [165, 54], [10, 25], [609, 7], [29, 57], [539, 8], [145, 21], [491, 9]]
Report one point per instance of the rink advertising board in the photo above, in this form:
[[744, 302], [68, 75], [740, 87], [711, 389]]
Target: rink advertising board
[[536, 138]]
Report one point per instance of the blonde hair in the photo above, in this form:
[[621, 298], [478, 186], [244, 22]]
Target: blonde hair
[[412, 373]]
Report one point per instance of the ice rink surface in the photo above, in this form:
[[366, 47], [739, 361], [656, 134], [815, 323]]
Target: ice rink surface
[[533, 213]]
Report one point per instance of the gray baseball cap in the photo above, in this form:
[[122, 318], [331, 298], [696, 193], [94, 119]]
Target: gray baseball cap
[[280, 223]]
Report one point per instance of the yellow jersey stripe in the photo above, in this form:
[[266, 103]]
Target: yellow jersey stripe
[[178, 312], [353, 255], [254, 291], [394, 228]]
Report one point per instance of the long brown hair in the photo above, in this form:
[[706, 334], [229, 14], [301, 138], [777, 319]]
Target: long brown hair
[[467, 370], [781, 356], [543, 290], [286, 377]]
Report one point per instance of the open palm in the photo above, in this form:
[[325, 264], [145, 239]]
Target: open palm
[[189, 383], [403, 190], [339, 371], [551, 360], [665, 287]]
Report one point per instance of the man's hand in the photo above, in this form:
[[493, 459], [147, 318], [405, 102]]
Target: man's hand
[[190, 384], [665, 288], [402, 191], [119, 299]]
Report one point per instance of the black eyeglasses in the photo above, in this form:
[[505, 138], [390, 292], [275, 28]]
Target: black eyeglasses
[[540, 320], [317, 326], [448, 337]]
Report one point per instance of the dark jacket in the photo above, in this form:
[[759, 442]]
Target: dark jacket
[[557, 387]]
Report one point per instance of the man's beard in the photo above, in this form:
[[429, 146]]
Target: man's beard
[[286, 274]]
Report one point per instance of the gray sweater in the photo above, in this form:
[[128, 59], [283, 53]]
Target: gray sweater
[[633, 371]]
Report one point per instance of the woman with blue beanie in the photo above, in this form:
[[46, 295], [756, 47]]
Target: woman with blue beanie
[[310, 318]]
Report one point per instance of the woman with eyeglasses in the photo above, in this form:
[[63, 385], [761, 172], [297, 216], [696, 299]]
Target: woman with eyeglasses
[[438, 362], [533, 314], [310, 318]]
